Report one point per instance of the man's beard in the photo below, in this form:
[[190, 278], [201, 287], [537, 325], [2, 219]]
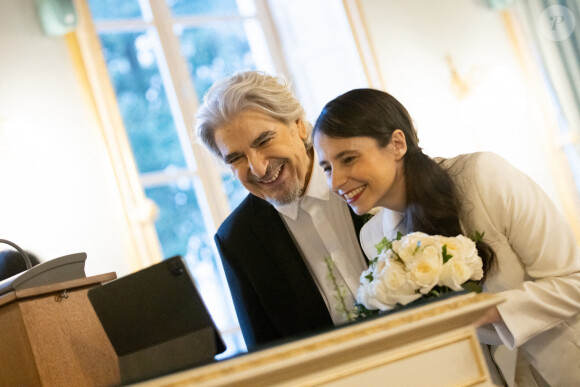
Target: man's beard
[[286, 195]]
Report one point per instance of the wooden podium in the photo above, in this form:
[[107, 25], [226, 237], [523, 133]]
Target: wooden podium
[[432, 345], [51, 336]]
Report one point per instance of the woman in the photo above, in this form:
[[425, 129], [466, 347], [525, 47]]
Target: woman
[[369, 149]]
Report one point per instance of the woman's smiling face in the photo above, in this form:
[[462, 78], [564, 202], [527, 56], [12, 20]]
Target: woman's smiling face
[[364, 174]]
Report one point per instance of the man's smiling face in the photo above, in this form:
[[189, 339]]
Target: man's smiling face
[[267, 156]]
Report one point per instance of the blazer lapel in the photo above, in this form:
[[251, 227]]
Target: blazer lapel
[[272, 233], [358, 222]]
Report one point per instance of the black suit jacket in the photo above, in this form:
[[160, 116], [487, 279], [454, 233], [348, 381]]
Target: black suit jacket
[[274, 294]]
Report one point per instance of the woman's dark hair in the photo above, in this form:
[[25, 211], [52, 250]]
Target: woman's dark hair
[[432, 204]]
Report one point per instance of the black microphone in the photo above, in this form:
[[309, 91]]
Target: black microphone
[[22, 253]]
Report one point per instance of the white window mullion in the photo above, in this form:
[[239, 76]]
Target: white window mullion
[[138, 208], [179, 90], [183, 102], [121, 25], [191, 21], [155, 179]]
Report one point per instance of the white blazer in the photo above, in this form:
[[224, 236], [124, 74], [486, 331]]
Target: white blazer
[[537, 268]]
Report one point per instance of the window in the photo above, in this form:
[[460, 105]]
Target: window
[[161, 57], [145, 44]]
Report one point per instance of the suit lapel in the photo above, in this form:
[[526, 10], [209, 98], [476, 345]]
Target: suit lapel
[[273, 235]]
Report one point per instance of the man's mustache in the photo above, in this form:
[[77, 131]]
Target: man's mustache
[[273, 166]]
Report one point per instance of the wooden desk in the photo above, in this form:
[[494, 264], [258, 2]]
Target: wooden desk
[[432, 345], [51, 336]]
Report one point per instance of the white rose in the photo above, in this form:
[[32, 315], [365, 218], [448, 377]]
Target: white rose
[[390, 285], [386, 299], [460, 246], [396, 278], [364, 277], [367, 282], [367, 288], [370, 295], [426, 267], [367, 296], [364, 293], [465, 248], [396, 285], [455, 272], [385, 256], [407, 247]]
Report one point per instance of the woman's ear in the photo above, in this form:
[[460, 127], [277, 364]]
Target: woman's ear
[[399, 143]]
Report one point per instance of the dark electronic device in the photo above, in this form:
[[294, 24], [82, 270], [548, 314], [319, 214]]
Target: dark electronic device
[[156, 321]]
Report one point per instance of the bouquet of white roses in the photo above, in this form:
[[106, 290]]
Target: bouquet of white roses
[[416, 266]]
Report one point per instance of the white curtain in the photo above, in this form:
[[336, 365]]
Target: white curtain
[[553, 27]]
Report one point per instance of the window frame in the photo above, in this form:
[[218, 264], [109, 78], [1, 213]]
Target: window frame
[[201, 167]]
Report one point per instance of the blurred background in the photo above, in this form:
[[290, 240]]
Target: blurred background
[[98, 99]]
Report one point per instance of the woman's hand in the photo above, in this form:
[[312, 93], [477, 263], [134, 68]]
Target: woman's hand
[[489, 317]]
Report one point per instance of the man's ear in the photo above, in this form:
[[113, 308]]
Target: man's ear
[[399, 143], [301, 127]]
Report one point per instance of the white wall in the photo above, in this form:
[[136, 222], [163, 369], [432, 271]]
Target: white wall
[[58, 193], [411, 40], [319, 49]]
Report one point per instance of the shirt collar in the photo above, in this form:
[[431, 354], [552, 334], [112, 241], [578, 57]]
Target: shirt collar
[[391, 219], [316, 189]]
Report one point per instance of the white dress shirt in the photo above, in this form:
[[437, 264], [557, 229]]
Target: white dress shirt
[[322, 226]]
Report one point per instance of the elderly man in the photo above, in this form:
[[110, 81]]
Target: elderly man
[[275, 244]]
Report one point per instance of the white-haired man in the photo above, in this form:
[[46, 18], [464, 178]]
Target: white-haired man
[[274, 244]]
